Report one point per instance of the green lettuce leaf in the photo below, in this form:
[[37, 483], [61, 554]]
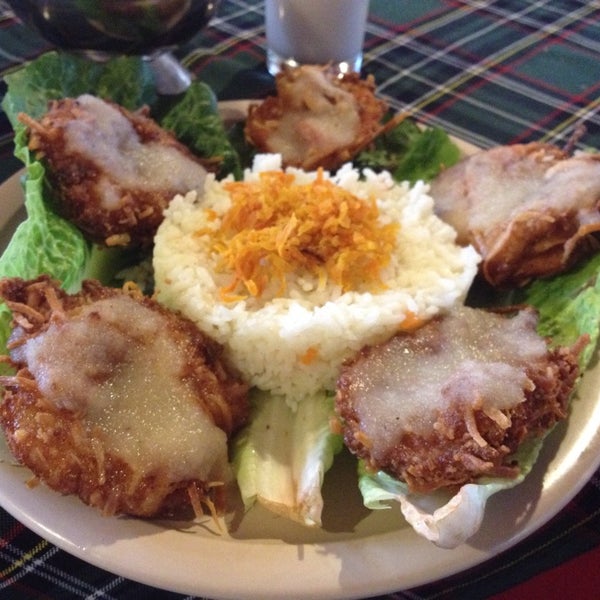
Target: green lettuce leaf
[[192, 116], [281, 457], [43, 243], [195, 120], [126, 80], [410, 153], [568, 305]]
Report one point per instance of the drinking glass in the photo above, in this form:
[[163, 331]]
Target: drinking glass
[[102, 28], [315, 32]]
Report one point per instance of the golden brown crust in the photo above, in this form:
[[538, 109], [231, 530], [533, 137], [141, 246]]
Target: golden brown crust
[[529, 209], [67, 457], [69, 453], [75, 178], [264, 119], [463, 444]]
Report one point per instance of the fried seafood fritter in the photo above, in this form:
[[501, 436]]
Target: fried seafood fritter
[[113, 171], [454, 400], [529, 209], [316, 119], [117, 400]]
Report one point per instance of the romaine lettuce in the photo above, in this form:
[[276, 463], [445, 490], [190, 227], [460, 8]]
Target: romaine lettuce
[[43, 243], [410, 153], [193, 116], [568, 305], [125, 80], [195, 120]]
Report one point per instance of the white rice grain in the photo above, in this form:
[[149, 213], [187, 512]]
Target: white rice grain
[[429, 272]]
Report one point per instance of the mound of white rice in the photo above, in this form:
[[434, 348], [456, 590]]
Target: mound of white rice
[[266, 340]]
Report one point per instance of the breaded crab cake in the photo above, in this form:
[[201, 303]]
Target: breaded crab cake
[[117, 400], [452, 401], [317, 119], [113, 171]]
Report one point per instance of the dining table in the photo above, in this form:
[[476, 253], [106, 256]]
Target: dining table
[[488, 72]]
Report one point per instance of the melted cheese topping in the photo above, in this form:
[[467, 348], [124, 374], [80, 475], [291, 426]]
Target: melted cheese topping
[[117, 365], [472, 359], [109, 139]]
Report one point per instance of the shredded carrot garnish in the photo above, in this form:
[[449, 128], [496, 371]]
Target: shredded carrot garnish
[[335, 425], [310, 355], [411, 322], [276, 227], [362, 438]]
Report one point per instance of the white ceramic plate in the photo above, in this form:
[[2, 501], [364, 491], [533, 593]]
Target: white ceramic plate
[[356, 554]]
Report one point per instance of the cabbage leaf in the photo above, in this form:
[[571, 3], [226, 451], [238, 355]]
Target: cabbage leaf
[[281, 457]]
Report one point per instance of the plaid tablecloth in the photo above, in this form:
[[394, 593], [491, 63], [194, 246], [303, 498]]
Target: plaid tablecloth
[[489, 72]]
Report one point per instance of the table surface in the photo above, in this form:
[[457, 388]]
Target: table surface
[[493, 72]]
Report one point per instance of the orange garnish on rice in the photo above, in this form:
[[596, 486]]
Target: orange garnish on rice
[[411, 322], [276, 227], [311, 354]]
